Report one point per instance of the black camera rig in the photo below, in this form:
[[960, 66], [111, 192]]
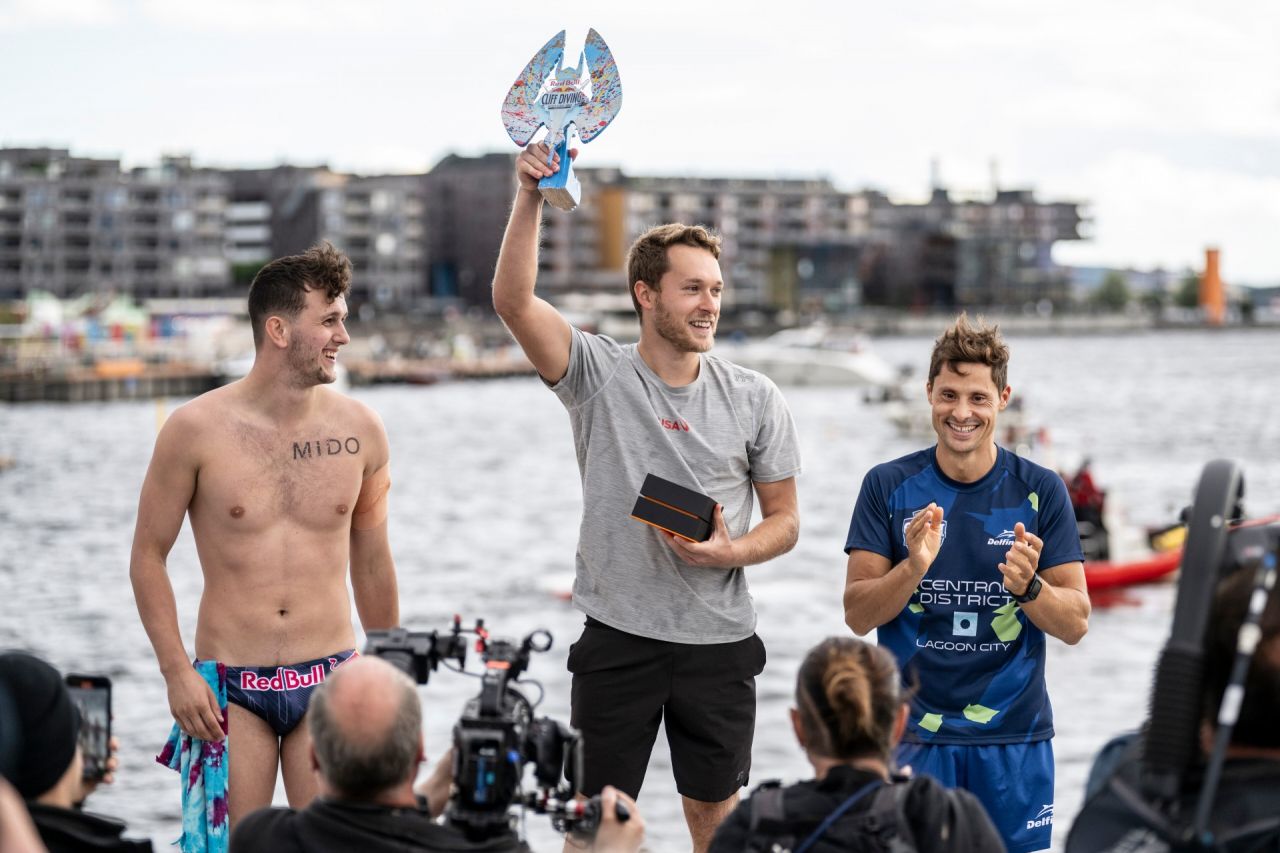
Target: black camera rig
[[1157, 791], [497, 737]]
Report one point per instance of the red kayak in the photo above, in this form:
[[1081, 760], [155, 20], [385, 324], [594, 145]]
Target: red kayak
[[1101, 574]]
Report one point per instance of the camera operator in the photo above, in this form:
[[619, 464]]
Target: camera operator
[[1245, 815], [47, 769], [849, 717], [365, 722]]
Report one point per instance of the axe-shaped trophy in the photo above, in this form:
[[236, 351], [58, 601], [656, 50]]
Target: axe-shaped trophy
[[545, 94]]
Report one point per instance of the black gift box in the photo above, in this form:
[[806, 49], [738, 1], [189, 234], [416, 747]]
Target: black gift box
[[675, 509]]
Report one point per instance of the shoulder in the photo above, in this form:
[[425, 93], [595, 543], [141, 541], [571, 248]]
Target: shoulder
[[203, 413], [895, 471], [1034, 475], [359, 413], [738, 376], [950, 819], [265, 829], [597, 343]]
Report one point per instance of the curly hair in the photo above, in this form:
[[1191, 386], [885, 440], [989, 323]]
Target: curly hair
[[281, 286], [965, 343]]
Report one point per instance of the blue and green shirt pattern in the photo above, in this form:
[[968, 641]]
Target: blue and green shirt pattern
[[976, 661]]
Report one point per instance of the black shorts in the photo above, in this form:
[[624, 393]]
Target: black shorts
[[623, 685]]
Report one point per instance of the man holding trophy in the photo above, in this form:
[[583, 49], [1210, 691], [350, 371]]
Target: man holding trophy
[[670, 628]]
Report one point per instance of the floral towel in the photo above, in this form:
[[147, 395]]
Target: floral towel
[[202, 766]]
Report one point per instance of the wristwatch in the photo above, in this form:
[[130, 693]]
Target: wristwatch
[[1030, 593]]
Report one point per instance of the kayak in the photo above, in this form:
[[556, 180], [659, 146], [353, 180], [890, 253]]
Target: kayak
[[1103, 574]]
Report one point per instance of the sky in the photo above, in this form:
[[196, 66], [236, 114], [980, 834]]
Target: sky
[[1162, 116]]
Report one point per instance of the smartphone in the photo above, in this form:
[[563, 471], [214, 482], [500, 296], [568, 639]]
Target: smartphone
[[92, 695]]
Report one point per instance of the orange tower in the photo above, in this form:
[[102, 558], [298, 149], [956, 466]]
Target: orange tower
[[1212, 300]]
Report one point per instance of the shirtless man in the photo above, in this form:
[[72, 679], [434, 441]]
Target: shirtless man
[[285, 482]]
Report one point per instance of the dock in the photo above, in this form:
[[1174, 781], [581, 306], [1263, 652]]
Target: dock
[[106, 381], [131, 379]]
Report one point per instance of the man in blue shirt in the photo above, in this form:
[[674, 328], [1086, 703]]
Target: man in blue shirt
[[964, 556]]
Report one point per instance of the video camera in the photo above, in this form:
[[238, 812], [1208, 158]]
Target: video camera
[[497, 737], [1157, 788]]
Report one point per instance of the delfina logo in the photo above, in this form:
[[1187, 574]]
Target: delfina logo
[[1005, 539], [1044, 818]]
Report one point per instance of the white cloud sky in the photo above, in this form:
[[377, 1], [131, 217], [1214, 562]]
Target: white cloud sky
[[1165, 116]]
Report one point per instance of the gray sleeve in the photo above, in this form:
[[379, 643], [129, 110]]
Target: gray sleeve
[[593, 360], [775, 450]]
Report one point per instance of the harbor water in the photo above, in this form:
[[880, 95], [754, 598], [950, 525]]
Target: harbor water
[[484, 517]]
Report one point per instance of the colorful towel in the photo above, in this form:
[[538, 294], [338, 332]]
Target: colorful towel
[[202, 766]]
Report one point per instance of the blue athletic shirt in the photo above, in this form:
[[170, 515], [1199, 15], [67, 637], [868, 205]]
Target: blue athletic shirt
[[977, 660]]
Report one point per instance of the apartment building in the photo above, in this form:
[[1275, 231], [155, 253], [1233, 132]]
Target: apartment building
[[379, 221], [76, 225], [73, 225]]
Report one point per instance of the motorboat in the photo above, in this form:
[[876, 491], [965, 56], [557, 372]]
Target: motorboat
[[1106, 574], [812, 355]]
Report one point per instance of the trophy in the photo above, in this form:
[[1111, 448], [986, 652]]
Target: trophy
[[545, 94]]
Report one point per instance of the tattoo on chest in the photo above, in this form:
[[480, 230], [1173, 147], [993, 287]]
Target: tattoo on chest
[[321, 447]]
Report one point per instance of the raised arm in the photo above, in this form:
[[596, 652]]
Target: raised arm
[[876, 591], [541, 331], [166, 492], [776, 534], [373, 571]]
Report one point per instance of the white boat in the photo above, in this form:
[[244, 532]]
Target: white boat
[[814, 355]]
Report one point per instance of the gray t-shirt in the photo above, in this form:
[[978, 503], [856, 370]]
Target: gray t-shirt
[[727, 428]]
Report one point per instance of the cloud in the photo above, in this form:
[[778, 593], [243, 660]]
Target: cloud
[[1150, 211], [26, 15]]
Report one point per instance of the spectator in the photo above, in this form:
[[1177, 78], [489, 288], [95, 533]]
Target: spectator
[[47, 767], [849, 717]]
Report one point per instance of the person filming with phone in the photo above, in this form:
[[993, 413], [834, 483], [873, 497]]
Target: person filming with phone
[[48, 761]]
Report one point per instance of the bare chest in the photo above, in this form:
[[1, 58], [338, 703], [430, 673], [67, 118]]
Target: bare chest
[[252, 478]]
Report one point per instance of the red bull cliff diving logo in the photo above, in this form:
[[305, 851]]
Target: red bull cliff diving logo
[[287, 678], [1044, 818]]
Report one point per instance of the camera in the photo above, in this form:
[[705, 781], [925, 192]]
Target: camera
[[418, 653], [1159, 788], [497, 738]]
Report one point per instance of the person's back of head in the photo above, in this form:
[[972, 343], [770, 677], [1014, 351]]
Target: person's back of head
[[41, 725], [1260, 704], [849, 700], [850, 713], [365, 722]]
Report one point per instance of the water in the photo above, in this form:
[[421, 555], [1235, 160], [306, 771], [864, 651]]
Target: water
[[484, 516]]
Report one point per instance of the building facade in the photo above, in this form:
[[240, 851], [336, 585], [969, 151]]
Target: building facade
[[73, 225]]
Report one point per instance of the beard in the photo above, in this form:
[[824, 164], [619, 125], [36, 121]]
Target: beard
[[676, 331], [303, 367]]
